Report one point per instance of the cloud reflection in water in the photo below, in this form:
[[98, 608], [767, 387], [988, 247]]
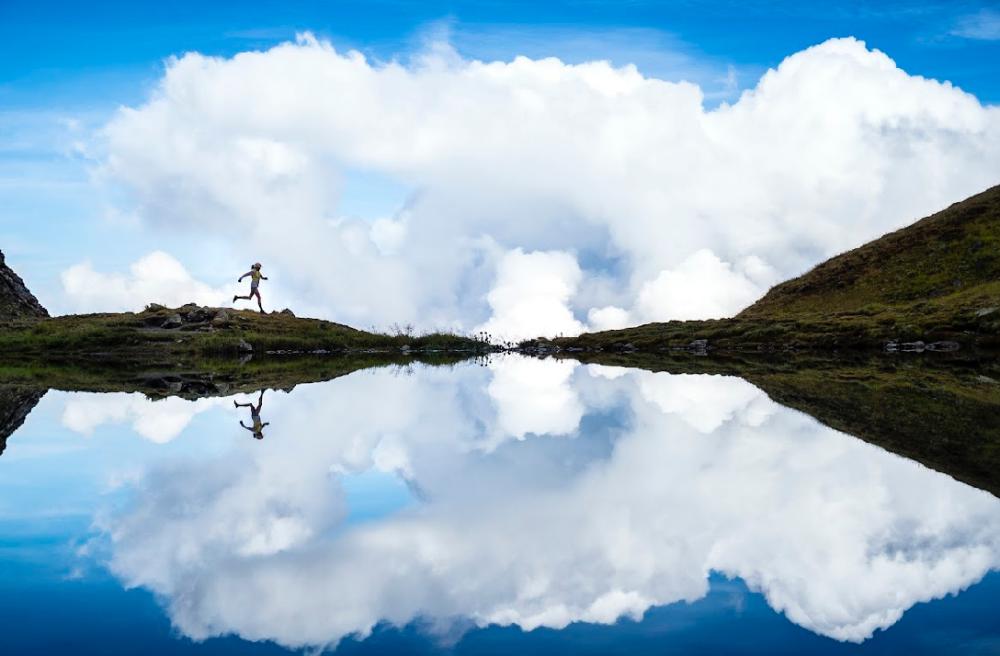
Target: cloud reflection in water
[[654, 481]]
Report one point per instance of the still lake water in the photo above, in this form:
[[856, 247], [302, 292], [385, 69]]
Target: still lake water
[[526, 506]]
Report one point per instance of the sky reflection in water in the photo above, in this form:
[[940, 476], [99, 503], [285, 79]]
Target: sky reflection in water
[[529, 494]]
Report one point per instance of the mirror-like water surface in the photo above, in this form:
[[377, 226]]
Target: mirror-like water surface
[[528, 505]]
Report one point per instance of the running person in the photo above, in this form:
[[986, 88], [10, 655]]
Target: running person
[[255, 278], [258, 427]]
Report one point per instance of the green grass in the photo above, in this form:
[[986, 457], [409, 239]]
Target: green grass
[[138, 334]]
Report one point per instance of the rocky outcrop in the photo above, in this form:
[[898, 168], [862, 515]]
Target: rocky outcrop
[[16, 403], [16, 301], [188, 317]]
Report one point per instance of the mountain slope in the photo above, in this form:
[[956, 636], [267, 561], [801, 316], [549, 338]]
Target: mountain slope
[[15, 300], [956, 251], [935, 282]]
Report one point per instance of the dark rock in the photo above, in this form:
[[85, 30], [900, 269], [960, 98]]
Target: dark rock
[[221, 319], [287, 312], [16, 403], [198, 315], [15, 300], [173, 321], [943, 346], [155, 307]]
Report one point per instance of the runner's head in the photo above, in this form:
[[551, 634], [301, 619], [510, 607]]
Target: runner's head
[[256, 265]]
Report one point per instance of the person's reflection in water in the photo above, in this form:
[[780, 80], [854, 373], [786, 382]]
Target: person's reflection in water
[[257, 428]]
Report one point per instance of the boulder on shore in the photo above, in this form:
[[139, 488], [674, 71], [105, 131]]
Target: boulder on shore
[[220, 319], [173, 321]]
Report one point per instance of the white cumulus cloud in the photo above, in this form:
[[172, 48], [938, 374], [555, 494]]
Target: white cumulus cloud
[[667, 208], [531, 296], [700, 287], [154, 278]]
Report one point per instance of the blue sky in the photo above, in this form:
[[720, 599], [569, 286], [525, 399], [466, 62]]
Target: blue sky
[[80, 55], [65, 67]]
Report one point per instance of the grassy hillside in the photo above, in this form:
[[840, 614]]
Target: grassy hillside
[[951, 258], [160, 332], [935, 282]]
